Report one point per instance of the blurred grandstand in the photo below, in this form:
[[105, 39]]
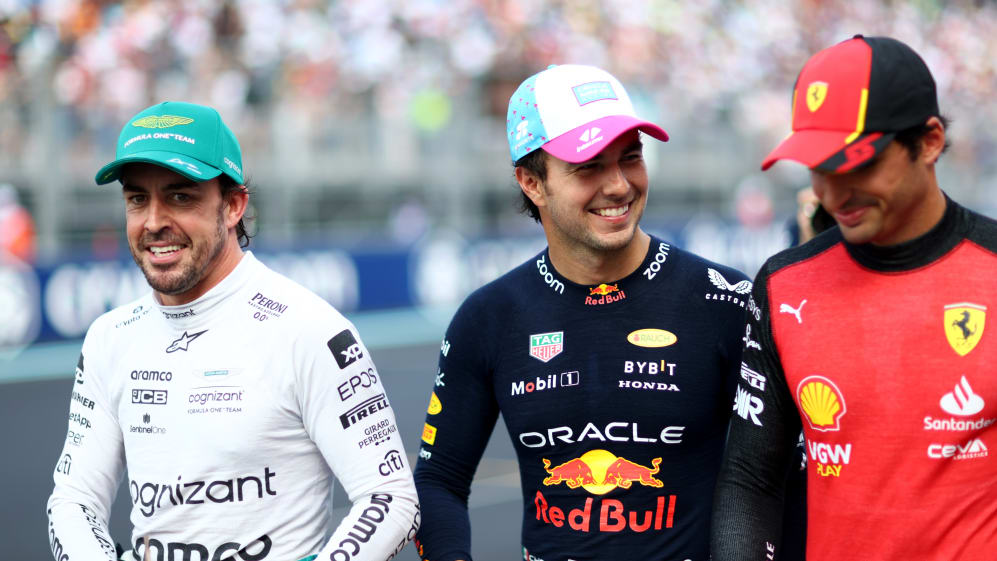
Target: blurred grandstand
[[373, 134], [365, 118]]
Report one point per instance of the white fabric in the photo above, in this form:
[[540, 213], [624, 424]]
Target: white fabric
[[237, 463], [558, 101]]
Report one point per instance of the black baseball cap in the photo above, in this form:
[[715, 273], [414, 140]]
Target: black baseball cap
[[850, 100]]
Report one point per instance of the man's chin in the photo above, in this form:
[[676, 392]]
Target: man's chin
[[170, 283]]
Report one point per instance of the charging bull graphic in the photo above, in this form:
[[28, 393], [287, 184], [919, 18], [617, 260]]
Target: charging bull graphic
[[599, 471]]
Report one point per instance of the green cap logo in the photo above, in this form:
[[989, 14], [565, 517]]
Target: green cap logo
[[161, 121]]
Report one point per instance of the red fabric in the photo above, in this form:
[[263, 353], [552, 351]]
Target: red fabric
[[881, 339]]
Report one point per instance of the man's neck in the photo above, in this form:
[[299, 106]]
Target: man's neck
[[585, 266], [217, 271]]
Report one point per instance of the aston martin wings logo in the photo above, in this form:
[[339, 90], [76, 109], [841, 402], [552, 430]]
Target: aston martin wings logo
[[718, 280], [816, 94], [964, 326], [161, 121]]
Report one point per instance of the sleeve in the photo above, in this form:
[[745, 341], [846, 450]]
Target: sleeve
[[89, 468], [460, 418], [347, 414], [763, 431]]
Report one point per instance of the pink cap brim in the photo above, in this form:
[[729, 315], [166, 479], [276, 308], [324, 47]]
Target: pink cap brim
[[809, 147], [572, 149]]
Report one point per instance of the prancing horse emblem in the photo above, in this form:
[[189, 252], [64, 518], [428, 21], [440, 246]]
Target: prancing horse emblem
[[964, 324]]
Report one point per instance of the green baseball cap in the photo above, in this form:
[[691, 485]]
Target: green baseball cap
[[187, 138]]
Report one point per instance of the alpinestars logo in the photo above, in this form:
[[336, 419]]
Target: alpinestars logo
[[182, 342], [345, 349]]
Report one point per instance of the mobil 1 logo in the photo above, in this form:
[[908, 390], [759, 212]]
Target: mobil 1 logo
[[345, 348]]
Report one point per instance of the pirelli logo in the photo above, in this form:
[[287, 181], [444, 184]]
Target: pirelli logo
[[363, 410]]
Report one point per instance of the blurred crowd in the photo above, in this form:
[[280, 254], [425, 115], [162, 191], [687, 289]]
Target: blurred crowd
[[292, 75]]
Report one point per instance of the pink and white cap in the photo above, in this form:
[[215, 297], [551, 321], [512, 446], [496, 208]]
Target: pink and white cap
[[573, 112]]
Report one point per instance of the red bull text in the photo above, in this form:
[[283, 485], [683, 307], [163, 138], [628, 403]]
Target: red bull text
[[613, 515], [605, 295]]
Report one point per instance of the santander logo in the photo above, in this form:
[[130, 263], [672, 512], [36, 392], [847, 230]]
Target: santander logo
[[961, 400]]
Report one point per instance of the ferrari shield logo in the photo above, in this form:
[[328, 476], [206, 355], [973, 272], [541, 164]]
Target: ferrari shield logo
[[816, 94], [964, 326]]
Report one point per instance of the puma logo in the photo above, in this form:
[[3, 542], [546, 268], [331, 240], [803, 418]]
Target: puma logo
[[787, 309]]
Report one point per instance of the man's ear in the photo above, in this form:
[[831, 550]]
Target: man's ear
[[933, 142], [236, 202], [531, 185]]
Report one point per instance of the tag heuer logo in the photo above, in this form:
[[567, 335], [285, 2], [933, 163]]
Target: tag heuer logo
[[545, 346], [816, 94], [964, 326], [161, 121]]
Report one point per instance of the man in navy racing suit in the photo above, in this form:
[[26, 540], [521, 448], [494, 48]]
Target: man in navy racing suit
[[612, 355]]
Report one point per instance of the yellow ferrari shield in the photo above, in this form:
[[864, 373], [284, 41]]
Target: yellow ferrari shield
[[964, 326], [816, 94]]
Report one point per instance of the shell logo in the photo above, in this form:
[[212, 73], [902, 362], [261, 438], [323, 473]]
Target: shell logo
[[822, 403], [652, 338]]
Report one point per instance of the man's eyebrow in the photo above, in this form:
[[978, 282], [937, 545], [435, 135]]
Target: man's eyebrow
[[632, 147], [171, 187]]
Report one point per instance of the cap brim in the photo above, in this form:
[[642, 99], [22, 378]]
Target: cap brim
[[191, 168], [827, 150], [581, 143]]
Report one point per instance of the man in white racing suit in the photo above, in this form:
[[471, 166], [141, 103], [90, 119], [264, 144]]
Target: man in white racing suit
[[232, 394]]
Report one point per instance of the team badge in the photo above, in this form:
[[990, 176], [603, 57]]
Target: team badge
[[964, 326], [816, 94], [161, 121]]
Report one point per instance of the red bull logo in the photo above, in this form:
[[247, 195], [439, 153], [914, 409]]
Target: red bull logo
[[603, 289], [573, 473], [605, 295], [599, 472], [612, 515]]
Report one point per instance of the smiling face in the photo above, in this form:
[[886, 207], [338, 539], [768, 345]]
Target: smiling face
[[892, 200], [593, 207], [181, 233]]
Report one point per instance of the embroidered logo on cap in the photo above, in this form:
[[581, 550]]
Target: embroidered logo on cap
[[161, 121], [593, 91], [816, 94]]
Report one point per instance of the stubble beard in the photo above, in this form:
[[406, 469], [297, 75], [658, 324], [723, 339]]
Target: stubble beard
[[191, 272], [578, 235]]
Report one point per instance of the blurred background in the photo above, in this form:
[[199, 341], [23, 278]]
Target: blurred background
[[373, 134]]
